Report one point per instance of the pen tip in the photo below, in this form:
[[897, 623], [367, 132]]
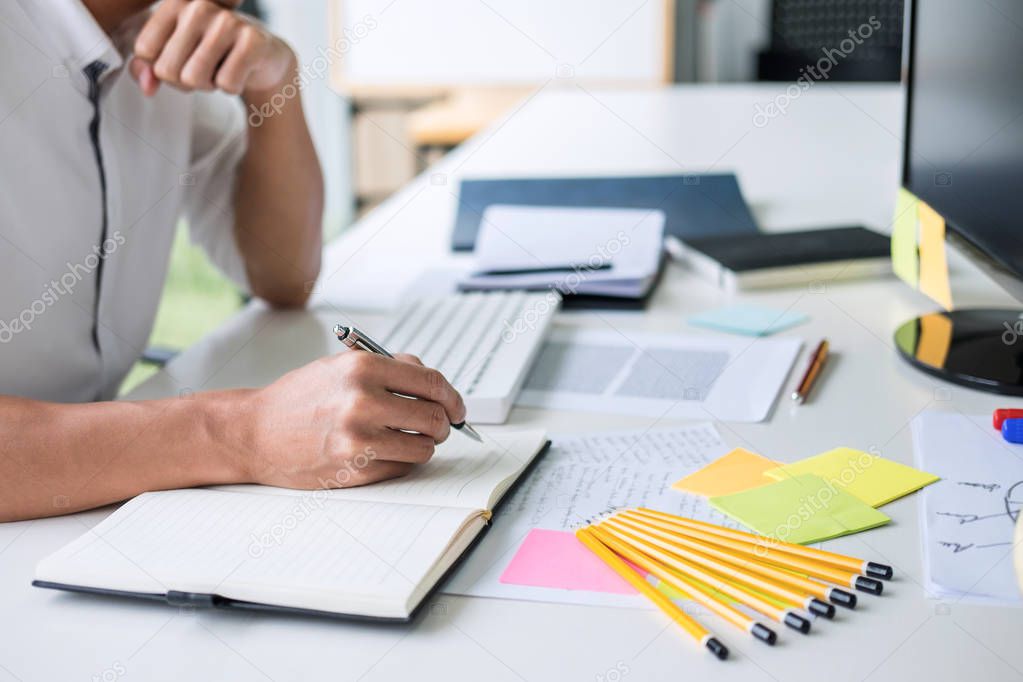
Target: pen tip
[[469, 431]]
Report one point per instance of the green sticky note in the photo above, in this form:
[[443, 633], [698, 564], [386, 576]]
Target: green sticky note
[[748, 319], [873, 479], [800, 509], [905, 254]]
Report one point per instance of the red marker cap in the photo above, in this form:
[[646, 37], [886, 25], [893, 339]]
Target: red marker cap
[[1002, 414]]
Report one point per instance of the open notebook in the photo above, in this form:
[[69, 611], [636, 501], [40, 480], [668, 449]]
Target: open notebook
[[373, 552]]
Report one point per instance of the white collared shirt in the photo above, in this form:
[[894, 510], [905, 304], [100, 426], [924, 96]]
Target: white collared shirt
[[170, 156]]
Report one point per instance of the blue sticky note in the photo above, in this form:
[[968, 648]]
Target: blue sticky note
[[752, 320]]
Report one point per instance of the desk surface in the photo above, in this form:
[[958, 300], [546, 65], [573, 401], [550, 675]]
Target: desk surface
[[831, 159]]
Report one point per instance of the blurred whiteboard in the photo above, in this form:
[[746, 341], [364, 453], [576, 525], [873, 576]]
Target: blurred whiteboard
[[444, 43]]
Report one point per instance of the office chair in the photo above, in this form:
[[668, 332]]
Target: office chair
[[803, 30]]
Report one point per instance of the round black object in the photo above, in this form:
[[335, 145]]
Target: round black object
[[981, 348]]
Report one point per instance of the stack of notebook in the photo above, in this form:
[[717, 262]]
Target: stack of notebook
[[612, 252]]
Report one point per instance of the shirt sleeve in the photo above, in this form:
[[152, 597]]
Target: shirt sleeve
[[218, 144]]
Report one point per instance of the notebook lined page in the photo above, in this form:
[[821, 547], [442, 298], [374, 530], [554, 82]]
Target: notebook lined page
[[311, 552], [462, 473]]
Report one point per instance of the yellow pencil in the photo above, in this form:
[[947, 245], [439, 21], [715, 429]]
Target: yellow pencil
[[861, 566], [795, 599], [759, 549], [690, 590], [789, 617], [688, 623], [798, 582]]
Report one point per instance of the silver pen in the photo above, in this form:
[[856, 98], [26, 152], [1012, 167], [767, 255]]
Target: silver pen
[[353, 338]]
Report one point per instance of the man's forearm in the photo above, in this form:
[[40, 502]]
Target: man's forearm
[[279, 197], [57, 458]]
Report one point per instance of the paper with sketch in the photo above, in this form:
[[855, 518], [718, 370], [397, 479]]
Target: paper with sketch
[[665, 375], [580, 477], [969, 515]]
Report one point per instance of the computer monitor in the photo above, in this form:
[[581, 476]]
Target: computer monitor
[[963, 155]]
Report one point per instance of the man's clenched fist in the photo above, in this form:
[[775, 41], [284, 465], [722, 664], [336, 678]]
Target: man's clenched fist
[[206, 45]]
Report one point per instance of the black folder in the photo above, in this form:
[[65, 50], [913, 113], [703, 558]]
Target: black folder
[[695, 205]]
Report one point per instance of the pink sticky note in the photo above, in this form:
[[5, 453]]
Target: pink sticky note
[[555, 558]]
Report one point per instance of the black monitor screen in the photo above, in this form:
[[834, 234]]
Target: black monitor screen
[[964, 146]]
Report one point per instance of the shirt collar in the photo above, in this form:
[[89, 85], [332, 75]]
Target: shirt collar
[[74, 36]]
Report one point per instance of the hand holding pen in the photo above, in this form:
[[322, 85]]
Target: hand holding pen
[[357, 340]]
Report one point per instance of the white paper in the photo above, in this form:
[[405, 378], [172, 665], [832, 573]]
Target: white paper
[[580, 477], [461, 473], [311, 552], [664, 375], [969, 515], [575, 240]]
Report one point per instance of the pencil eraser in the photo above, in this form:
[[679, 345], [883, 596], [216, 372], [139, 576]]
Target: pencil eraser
[[842, 598], [822, 608], [869, 585], [882, 571], [797, 622], [764, 633], [717, 648]]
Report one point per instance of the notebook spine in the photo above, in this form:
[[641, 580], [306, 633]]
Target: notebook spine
[[193, 599]]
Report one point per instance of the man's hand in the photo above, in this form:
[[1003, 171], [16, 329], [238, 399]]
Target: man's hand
[[206, 45], [338, 423]]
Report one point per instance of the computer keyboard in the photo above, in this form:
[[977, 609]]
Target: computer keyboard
[[485, 343]]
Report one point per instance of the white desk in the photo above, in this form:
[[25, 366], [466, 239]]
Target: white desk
[[832, 159]]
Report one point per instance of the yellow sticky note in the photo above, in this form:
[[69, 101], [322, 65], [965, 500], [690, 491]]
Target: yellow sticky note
[[933, 262], [739, 470], [870, 478], [905, 259], [801, 509], [935, 340]]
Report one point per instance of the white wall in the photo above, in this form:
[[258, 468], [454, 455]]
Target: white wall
[[303, 23]]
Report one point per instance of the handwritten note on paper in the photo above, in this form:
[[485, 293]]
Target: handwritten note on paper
[[581, 477], [969, 516]]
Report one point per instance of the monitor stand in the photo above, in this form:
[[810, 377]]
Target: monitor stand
[[981, 348]]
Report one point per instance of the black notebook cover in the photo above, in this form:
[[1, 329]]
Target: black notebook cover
[[198, 600], [694, 205], [784, 249]]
